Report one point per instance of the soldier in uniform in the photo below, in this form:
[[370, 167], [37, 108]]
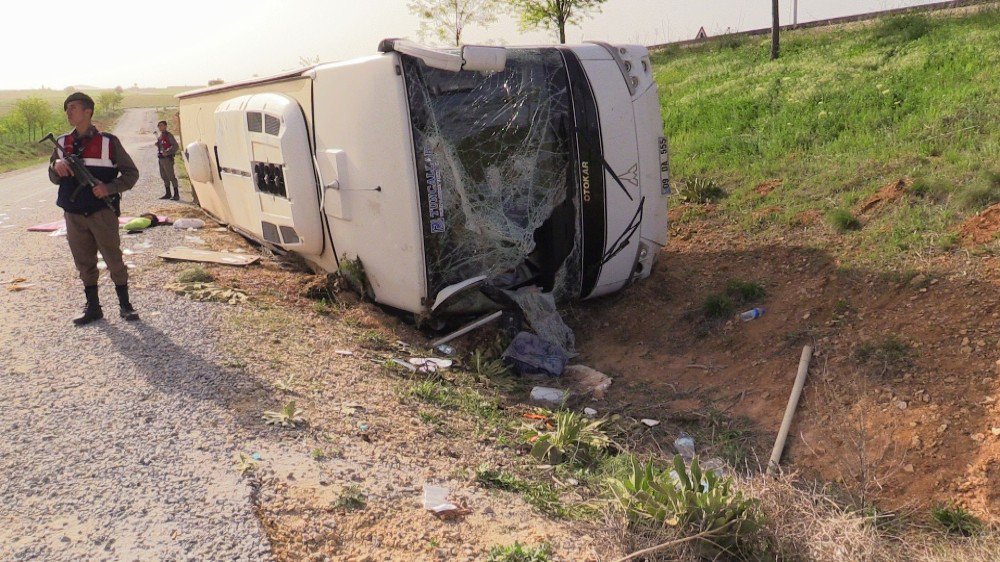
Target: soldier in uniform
[[166, 148], [92, 217]]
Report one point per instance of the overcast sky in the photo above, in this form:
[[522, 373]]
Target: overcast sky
[[56, 43]]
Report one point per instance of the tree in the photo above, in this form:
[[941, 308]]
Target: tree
[[555, 15], [34, 112], [110, 102], [446, 19], [774, 29]]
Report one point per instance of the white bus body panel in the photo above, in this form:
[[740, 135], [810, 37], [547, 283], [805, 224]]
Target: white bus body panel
[[365, 145], [630, 130]]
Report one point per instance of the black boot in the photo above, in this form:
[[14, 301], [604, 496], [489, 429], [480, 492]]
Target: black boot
[[93, 310], [124, 306], [177, 193]]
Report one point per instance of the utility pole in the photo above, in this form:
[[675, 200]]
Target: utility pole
[[795, 15], [774, 29]]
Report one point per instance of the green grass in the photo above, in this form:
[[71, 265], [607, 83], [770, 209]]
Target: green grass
[[22, 155], [956, 520], [520, 553], [543, 497], [718, 306], [843, 220], [351, 498], [195, 274], [841, 113]]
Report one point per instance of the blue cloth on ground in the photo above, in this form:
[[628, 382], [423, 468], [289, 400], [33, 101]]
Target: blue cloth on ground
[[533, 354]]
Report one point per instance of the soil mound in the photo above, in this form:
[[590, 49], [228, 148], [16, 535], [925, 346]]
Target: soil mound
[[981, 228], [883, 197]]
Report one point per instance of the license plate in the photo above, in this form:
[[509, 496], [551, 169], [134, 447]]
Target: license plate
[[664, 166]]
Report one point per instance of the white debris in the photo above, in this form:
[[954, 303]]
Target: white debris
[[436, 499], [550, 395]]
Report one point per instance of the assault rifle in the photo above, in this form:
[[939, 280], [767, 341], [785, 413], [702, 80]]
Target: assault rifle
[[83, 176]]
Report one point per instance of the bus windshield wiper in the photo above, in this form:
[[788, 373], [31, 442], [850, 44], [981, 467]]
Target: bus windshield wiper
[[614, 175], [626, 236]]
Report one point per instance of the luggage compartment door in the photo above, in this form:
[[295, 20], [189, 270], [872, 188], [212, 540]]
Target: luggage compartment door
[[267, 171]]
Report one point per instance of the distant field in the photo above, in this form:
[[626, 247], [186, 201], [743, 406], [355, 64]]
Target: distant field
[[142, 97]]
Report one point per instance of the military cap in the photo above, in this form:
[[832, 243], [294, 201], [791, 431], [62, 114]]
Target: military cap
[[88, 102]]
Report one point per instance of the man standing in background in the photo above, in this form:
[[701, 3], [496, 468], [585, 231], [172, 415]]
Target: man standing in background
[[166, 148], [92, 212]]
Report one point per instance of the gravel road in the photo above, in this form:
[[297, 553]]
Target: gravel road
[[117, 438]]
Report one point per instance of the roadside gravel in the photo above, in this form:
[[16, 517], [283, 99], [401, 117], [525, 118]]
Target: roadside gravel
[[118, 438]]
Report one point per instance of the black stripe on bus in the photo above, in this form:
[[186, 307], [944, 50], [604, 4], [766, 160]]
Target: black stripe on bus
[[589, 170]]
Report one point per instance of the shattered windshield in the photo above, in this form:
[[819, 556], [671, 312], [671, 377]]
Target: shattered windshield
[[495, 159]]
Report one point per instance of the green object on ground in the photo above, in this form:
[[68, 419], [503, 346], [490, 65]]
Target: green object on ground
[[136, 224]]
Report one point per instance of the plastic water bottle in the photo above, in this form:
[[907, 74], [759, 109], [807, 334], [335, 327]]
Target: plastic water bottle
[[755, 312], [685, 446], [445, 349]]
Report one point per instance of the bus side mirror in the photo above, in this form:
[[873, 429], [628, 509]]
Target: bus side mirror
[[479, 58]]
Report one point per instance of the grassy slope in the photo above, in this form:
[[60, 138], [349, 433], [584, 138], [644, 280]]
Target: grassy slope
[[843, 112]]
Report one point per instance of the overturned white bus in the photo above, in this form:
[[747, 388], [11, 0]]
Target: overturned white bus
[[442, 170]]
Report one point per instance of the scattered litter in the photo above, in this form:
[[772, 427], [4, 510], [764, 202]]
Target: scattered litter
[[129, 252], [191, 254], [59, 232], [533, 354], [185, 224], [590, 412], [256, 456], [650, 422], [716, 465], [343, 352], [401, 363], [220, 229], [749, 315], [14, 280], [402, 344], [195, 240], [550, 395], [587, 381], [436, 500], [684, 445], [129, 265], [445, 349], [19, 287], [430, 364]]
